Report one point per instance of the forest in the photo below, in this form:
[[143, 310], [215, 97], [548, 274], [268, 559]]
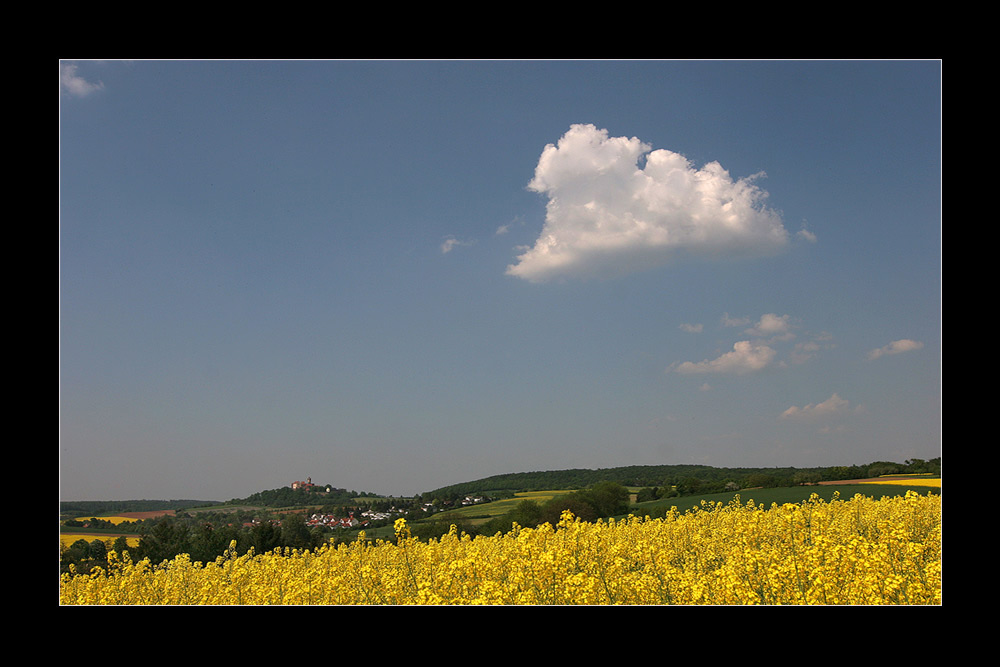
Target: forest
[[685, 479]]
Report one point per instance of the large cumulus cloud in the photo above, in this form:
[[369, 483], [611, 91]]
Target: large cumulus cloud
[[615, 205]]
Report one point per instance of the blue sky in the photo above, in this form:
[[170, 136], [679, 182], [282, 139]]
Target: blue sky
[[392, 276]]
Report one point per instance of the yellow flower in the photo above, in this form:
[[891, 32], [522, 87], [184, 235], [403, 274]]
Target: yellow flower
[[857, 551]]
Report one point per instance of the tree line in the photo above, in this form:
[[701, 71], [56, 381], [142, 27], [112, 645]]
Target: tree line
[[202, 539], [686, 479], [206, 534], [597, 501]]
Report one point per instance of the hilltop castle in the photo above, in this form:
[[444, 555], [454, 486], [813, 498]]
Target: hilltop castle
[[308, 484]]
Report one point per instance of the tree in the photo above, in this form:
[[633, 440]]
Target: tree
[[295, 533], [574, 502], [79, 550], [527, 514], [759, 479], [167, 539], [806, 477], [649, 493], [209, 541], [879, 468], [688, 486], [99, 552], [607, 498], [120, 545], [265, 537]]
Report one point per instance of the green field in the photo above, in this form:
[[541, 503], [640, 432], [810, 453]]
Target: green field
[[476, 514]]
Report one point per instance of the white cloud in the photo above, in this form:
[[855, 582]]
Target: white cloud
[[450, 243], [771, 325], [75, 84], [833, 406], [691, 328], [896, 347], [746, 357], [606, 214]]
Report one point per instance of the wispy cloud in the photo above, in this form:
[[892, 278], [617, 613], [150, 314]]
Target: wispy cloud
[[728, 321], [76, 85], [805, 351], [606, 214], [450, 243], [691, 328], [835, 406], [896, 347], [806, 235]]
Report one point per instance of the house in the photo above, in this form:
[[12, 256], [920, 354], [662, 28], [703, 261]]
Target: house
[[331, 521]]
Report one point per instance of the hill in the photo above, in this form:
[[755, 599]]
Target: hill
[[88, 508], [701, 478]]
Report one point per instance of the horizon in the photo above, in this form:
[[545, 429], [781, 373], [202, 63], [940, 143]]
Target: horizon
[[392, 275], [520, 472]]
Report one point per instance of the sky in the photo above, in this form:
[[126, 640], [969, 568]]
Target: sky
[[393, 276]]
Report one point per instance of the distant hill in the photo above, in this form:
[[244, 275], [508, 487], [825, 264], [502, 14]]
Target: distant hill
[[74, 508], [674, 475], [313, 494]]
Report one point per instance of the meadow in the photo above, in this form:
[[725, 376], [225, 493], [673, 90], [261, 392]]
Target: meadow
[[479, 513], [859, 551]]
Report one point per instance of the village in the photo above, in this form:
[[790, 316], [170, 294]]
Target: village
[[350, 521], [369, 516]]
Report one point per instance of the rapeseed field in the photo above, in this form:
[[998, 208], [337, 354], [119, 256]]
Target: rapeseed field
[[859, 551]]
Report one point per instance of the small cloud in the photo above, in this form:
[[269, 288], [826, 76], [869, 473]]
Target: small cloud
[[771, 325], [806, 235], [831, 407], [505, 228], [616, 206], [746, 357], [75, 84], [806, 350], [728, 321], [691, 328], [803, 352], [896, 347], [450, 243]]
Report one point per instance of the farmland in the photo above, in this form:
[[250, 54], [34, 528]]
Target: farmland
[[477, 514], [67, 539], [860, 551], [244, 537]]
